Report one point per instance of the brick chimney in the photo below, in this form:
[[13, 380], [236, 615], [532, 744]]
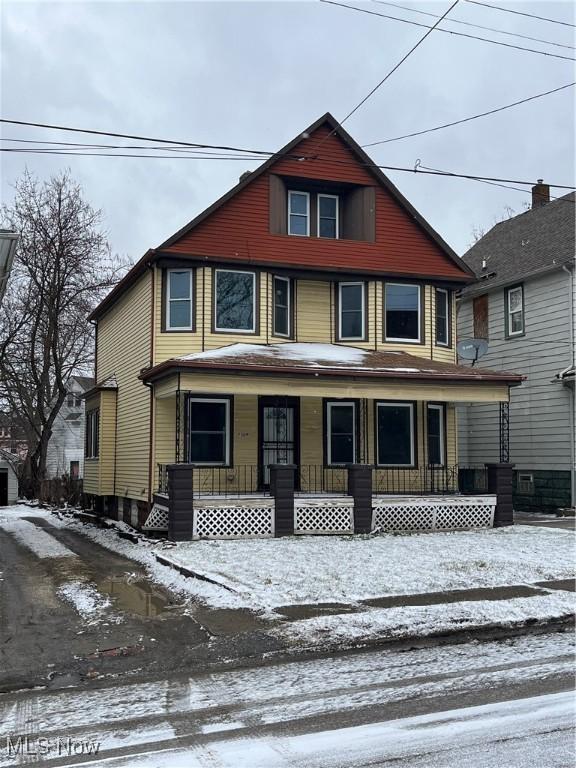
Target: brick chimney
[[540, 194]]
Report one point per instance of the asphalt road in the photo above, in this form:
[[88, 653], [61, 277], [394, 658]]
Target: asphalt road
[[483, 704]]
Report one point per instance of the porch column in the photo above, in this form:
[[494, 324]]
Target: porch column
[[180, 501], [500, 483], [360, 487], [282, 488]]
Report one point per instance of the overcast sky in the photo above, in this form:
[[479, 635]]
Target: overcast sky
[[256, 74]]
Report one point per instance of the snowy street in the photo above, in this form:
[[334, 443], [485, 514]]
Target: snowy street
[[484, 704]]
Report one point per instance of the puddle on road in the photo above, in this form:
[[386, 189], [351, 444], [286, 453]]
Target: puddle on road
[[133, 596], [228, 621]]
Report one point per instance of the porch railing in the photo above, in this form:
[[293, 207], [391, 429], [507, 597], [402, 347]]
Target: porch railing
[[316, 478]]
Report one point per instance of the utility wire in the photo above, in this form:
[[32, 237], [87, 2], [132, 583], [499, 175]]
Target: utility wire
[[467, 119], [69, 153], [78, 146], [520, 13], [475, 26], [450, 31]]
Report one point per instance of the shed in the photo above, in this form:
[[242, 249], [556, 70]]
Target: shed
[[8, 484]]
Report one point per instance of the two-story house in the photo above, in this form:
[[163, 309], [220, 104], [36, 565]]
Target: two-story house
[[524, 305], [306, 318], [65, 454]]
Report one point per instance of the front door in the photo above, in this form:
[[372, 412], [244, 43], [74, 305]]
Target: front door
[[278, 431]]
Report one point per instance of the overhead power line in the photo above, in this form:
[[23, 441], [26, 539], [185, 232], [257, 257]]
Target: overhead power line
[[520, 13], [472, 117], [450, 31], [475, 26]]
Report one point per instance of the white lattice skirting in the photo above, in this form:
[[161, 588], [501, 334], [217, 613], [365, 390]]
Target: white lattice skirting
[[157, 520], [235, 520], [326, 516], [438, 513]]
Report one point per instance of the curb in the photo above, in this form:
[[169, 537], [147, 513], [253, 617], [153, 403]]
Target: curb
[[191, 574]]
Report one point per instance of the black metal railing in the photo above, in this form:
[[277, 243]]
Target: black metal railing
[[422, 481], [473, 479], [316, 478], [162, 485], [239, 480]]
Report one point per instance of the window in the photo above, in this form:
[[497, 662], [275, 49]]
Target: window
[[282, 300], [74, 470], [395, 434], [73, 400], [351, 310], [179, 300], [402, 304], [208, 431], [436, 440], [525, 484], [515, 311], [340, 433], [328, 216], [92, 436], [299, 213], [235, 301], [480, 310], [442, 317]]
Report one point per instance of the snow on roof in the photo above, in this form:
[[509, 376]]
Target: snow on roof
[[108, 383], [306, 352]]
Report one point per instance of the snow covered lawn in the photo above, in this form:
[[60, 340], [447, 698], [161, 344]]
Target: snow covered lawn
[[265, 573]]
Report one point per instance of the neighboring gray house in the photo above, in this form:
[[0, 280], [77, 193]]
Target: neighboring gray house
[[66, 445], [524, 305], [8, 482]]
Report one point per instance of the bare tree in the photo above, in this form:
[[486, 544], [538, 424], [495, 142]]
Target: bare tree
[[62, 267]]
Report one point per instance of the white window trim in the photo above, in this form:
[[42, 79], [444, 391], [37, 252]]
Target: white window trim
[[329, 406], [226, 402], [448, 309], [169, 300], [235, 330], [318, 217], [289, 306], [405, 341], [509, 293], [440, 409], [307, 195], [363, 294], [412, 446]]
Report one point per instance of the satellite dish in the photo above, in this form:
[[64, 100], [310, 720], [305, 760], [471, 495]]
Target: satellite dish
[[472, 349]]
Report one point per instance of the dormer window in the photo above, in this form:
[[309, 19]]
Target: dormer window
[[328, 216], [299, 213]]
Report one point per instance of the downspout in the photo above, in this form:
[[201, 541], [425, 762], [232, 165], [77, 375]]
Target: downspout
[[572, 408]]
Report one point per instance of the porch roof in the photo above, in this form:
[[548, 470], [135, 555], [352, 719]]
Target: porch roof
[[312, 359]]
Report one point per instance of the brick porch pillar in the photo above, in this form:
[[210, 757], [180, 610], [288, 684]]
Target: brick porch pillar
[[500, 483], [180, 501], [360, 488], [282, 488]]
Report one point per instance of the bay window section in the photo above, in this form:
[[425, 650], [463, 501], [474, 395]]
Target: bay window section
[[351, 303], [328, 216], [442, 317], [395, 443], [299, 213], [208, 431], [179, 300], [436, 435], [282, 307], [515, 311], [402, 308], [340, 433], [235, 301]]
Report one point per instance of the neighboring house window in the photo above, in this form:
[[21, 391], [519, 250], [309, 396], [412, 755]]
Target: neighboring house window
[[351, 303], [515, 311], [208, 431], [282, 306], [402, 303], [328, 216], [298, 213], [395, 434], [73, 400], [179, 300], [74, 470], [235, 301], [480, 310], [340, 432], [436, 436], [442, 317], [92, 437], [525, 484]]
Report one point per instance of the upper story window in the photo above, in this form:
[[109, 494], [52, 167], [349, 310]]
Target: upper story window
[[179, 300], [73, 400], [515, 311], [442, 317], [402, 312], [351, 311], [235, 301], [282, 307], [298, 213], [328, 216], [480, 313], [92, 436]]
